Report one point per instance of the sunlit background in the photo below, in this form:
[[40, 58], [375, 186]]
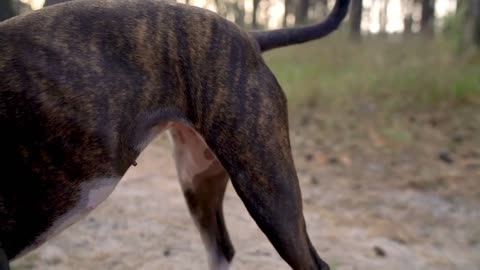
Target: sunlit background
[[272, 12]]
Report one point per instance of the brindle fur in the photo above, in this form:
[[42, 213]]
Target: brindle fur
[[81, 83]]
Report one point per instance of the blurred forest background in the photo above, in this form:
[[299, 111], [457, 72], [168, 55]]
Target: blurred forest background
[[385, 129]]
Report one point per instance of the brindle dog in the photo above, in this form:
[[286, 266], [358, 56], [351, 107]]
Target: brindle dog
[[86, 85]]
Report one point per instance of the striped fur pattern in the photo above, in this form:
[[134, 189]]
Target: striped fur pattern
[[85, 85]]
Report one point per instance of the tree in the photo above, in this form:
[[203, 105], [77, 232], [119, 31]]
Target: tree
[[428, 17], [408, 7], [324, 6], [239, 12], [6, 9], [356, 19], [254, 13], [383, 17], [471, 15], [301, 12], [475, 10], [288, 4], [407, 24], [221, 8], [459, 6]]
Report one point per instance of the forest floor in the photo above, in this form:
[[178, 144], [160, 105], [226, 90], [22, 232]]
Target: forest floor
[[402, 197]]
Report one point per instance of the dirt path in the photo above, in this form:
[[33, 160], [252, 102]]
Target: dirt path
[[145, 225]]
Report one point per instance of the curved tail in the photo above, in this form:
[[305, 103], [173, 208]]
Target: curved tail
[[284, 37]]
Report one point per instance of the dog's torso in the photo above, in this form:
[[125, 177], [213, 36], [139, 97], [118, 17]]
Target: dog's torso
[[83, 88]]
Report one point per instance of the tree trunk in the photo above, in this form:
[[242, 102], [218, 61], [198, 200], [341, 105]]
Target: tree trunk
[[239, 12], [476, 21], [254, 13], [324, 10], [6, 9], [383, 17], [221, 9], [458, 8], [301, 12], [288, 4], [470, 12], [356, 19], [407, 24], [428, 17]]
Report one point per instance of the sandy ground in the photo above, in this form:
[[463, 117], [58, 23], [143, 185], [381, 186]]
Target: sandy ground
[[384, 212]]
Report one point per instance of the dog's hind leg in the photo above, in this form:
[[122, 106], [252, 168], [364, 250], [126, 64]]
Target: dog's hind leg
[[250, 138], [203, 181], [4, 264]]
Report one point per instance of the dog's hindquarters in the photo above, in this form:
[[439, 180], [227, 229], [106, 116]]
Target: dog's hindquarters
[[250, 138]]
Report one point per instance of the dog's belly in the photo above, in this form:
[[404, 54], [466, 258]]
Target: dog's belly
[[56, 203], [91, 194]]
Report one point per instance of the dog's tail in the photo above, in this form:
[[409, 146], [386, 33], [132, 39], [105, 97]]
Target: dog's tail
[[284, 37]]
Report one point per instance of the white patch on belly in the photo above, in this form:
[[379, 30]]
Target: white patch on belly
[[92, 193], [100, 191]]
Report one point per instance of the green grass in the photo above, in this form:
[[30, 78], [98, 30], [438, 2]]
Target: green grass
[[398, 73]]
